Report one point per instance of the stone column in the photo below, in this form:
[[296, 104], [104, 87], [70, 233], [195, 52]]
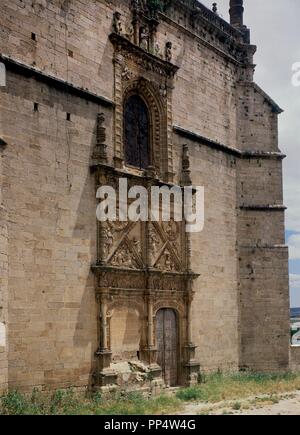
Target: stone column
[[189, 320], [150, 323], [103, 320], [104, 375], [236, 13], [192, 366], [3, 276], [149, 352]]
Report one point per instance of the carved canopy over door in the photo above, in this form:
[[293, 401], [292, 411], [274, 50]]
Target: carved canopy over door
[[137, 132]]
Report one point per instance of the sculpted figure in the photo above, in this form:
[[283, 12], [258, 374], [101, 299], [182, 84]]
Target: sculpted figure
[[144, 39], [117, 25], [169, 51]]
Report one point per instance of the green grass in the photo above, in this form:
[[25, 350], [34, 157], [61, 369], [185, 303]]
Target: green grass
[[219, 387], [70, 403], [214, 388]]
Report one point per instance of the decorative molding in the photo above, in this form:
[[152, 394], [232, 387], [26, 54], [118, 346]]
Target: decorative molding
[[138, 71], [205, 141], [262, 247], [100, 152], [268, 99], [263, 155], [54, 82], [194, 137], [267, 207], [143, 58]]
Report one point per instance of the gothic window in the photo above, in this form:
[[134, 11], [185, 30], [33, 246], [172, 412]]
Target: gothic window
[[136, 132]]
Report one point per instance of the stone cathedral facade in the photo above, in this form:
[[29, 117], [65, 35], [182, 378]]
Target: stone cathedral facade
[[157, 93]]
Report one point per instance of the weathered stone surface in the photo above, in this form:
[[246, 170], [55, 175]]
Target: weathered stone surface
[[295, 358], [48, 230]]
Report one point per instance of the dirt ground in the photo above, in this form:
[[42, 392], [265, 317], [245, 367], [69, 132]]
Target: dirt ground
[[285, 404]]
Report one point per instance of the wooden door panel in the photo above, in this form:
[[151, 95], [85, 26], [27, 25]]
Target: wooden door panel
[[166, 341]]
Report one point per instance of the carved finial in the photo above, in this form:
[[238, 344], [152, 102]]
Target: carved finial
[[186, 172], [215, 8], [169, 53], [117, 25], [236, 13], [100, 154]]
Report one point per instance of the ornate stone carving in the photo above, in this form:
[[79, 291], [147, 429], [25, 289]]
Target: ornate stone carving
[[126, 73], [108, 239], [124, 258], [144, 39], [171, 228], [142, 262], [100, 153], [186, 172], [166, 262], [156, 50], [117, 24], [149, 8], [129, 32], [155, 244], [169, 53]]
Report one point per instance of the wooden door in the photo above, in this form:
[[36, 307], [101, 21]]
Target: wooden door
[[167, 344]]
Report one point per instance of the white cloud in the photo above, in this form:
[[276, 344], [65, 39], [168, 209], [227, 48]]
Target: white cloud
[[295, 281], [292, 201], [277, 52], [294, 246], [295, 290]]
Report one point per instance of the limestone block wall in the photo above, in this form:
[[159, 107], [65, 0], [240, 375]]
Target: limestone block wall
[[64, 38], [260, 182], [263, 259], [69, 39], [50, 198], [204, 98], [258, 119], [215, 314], [295, 358], [3, 282], [264, 293]]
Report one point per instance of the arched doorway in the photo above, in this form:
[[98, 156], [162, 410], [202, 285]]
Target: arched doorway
[[167, 345]]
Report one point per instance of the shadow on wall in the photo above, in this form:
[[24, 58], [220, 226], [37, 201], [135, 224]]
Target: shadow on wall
[[85, 237], [125, 333], [63, 145]]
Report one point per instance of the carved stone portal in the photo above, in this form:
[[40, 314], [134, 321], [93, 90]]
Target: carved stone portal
[[142, 266]]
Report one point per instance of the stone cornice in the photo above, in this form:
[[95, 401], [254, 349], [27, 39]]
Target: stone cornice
[[263, 247], [198, 37], [275, 108], [194, 137], [99, 269], [150, 61], [201, 12], [263, 155], [206, 141], [265, 207], [199, 22], [52, 81]]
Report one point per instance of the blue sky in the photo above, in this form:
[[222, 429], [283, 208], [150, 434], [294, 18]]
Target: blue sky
[[275, 30]]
